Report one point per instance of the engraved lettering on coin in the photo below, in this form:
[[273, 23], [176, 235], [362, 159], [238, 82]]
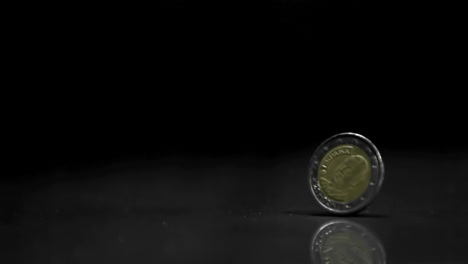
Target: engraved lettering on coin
[[344, 173]]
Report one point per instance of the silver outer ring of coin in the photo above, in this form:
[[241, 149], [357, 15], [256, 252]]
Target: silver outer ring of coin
[[377, 173], [327, 229]]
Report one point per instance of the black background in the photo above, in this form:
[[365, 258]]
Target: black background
[[189, 140], [211, 83]]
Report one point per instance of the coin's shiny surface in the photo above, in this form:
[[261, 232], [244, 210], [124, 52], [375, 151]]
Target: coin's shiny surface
[[344, 241], [345, 173]]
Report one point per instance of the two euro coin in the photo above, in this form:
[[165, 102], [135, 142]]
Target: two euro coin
[[345, 173]]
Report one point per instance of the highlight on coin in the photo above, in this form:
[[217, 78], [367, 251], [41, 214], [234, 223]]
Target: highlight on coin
[[344, 241], [345, 173]]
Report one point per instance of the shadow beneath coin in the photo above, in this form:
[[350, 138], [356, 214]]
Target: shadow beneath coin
[[326, 214]]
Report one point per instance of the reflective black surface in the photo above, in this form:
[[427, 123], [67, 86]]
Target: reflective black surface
[[237, 209]]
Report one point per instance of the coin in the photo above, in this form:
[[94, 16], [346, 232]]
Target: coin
[[345, 173], [344, 241]]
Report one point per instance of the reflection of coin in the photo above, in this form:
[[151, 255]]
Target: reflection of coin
[[343, 241], [345, 173]]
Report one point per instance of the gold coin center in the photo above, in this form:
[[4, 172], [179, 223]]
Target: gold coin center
[[344, 173]]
